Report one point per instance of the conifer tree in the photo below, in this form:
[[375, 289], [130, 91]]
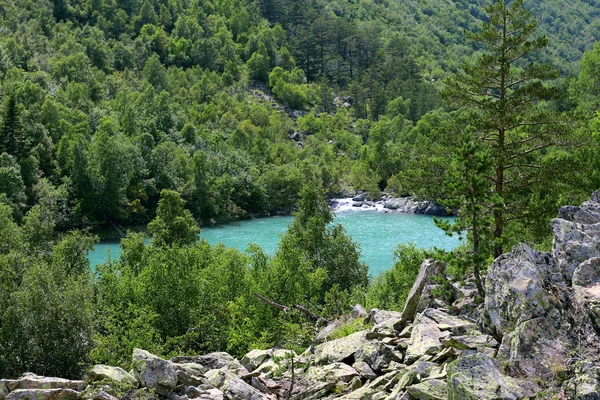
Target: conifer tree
[[11, 134], [506, 94]]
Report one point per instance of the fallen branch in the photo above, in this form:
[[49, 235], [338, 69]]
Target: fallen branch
[[272, 303], [306, 311]]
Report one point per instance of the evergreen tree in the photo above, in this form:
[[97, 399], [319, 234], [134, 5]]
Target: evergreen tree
[[11, 134], [505, 93]]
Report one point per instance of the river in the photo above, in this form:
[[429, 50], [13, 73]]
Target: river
[[376, 232]]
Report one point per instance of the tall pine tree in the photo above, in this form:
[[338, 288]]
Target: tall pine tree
[[11, 132]]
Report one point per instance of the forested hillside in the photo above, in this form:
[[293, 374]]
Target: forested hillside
[[173, 113], [106, 103]]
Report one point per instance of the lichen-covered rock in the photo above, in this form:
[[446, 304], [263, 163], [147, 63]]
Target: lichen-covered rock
[[469, 341], [429, 269], [515, 288], [215, 360], [586, 287], [232, 386], [364, 370], [42, 394], [339, 349], [576, 235], [445, 321], [336, 372], [154, 372], [478, 377], [377, 355], [585, 385], [424, 339], [190, 374], [33, 381], [115, 374], [433, 389]]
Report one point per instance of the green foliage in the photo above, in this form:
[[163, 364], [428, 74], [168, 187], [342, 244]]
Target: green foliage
[[389, 290], [348, 328], [173, 225]]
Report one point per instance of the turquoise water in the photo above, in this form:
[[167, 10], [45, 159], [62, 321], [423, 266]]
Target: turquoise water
[[377, 233]]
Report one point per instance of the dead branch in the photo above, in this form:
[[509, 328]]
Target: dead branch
[[272, 303]]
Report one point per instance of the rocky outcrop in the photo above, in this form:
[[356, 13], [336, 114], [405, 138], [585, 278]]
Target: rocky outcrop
[[407, 205], [536, 334]]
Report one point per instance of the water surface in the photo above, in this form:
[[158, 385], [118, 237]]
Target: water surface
[[376, 232]]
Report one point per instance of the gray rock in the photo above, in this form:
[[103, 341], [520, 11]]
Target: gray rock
[[585, 385], [478, 377], [586, 287], [190, 374], [43, 394], [446, 321], [339, 349], [364, 370], [336, 372], [432, 389], [428, 269], [424, 340], [470, 341], [115, 374], [232, 386], [377, 355], [33, 381], [154, 372], [215, 360]]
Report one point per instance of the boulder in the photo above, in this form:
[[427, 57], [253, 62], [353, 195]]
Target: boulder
[[190, 374], [432, 389], [215, 360], [428, 269], [115, 374], [470, 341], [377, 355], [43, 394], [232, 386], [154, 372], [576, 235], [33, 381], [515, 288], [364, 370], [424, 339], [585, 385], [586, 287], [478, 377], [339, 349], [336, 372], [446, 321]]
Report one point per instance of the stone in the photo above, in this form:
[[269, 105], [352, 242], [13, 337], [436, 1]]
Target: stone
[[478, 377], [115, 374], [446, 321], [33, 381], [154, 372], [43, 394], [364, 370], [428, 269], [424, 339], [377, 316], [325, 333], [586, 288], [254, 358], [469, 341], [336, 372], [377, 355], [585, 385], [576, 236], [339, 349], [190, 374], [515, 288], [232, 386], [102, 395], [432, 389]]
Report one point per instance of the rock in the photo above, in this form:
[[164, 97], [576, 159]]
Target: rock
[[102, 395], [190, 374], [33, 381], [469, 341], [585, 385], [377, 316], [325, 333], [432, 389], [339, 349], [424, 339], [43, 394], [446, 321], [364, 370], [576, 235], [435, 209], [232, 386], [215, 360], [360, 197], [428, 269], [394, 204], [377, 355], [586, 287], [358, 311], [515, 290], [114, 374], [336, 372], [478, 377], [154, 372], [254, 358]]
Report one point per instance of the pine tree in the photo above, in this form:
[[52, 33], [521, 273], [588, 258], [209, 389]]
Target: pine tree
[[505, 93], [11, 133]]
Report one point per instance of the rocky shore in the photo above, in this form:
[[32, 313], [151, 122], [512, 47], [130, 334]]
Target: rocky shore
[[535, 336], [388, 203]]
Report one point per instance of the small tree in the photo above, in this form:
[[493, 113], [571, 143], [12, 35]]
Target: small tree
[[173, 225]]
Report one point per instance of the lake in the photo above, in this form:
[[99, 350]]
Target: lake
[[376, 232]]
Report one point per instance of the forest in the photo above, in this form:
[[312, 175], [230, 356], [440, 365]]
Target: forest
[[171, 114]]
